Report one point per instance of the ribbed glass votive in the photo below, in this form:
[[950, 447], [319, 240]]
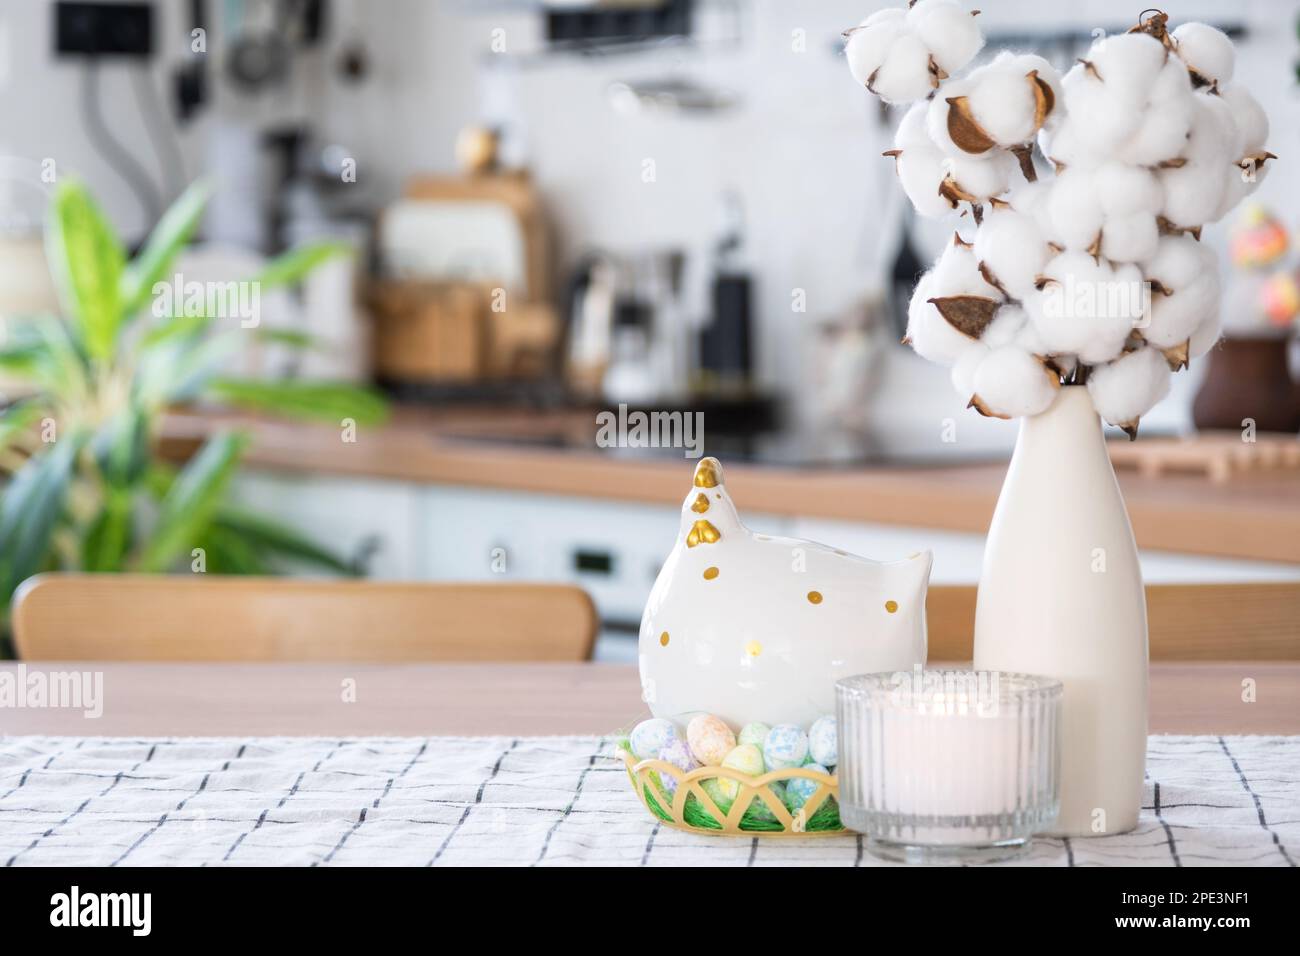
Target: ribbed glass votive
[[948, 765]]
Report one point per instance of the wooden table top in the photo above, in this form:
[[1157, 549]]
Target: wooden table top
[[160, 700], [1255, 515]]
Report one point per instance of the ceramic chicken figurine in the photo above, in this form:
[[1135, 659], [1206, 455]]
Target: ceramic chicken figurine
[[758, 628]]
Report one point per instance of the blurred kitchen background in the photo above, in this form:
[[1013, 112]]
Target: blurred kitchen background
[[561, 207]]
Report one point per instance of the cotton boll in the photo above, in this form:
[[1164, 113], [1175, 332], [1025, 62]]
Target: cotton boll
[[1193, 192], [920, 165], [1185, 279], [1070, 144], [869, 42], [1130, 238], [1126, 389], [1162, 131], [1005, 327], [1074, 209], [1011, 382], [1206, 334], [1012, 248], [1239, 181], [1251, 120], [1112, 97], [1086, 308], [1127, 63], [1206, 50], [921, 173], [963, 373], [905, 75], [936, 117], [929, 334], [982, 178], [948, 30], [1005, 97], [1030, 199], [956, 273]]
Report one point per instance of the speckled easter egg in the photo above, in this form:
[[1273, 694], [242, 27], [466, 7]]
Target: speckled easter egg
[[759, 810], [679, 755], [746, 758], [824, 741], [799, 790], [786, 746], [755, 733], [650, 736], [710, 739]]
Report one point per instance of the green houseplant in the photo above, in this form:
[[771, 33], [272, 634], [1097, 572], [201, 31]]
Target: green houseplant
[[86, 490]]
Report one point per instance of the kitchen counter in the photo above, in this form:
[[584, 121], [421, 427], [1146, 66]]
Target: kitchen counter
[[1252, 516]]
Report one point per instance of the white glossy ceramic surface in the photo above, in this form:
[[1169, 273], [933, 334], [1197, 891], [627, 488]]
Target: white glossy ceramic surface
[[1061, 596], [748, 643]]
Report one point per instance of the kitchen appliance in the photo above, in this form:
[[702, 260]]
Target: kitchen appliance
[[627, 337]]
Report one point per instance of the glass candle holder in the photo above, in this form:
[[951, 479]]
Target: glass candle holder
[[948, 765]]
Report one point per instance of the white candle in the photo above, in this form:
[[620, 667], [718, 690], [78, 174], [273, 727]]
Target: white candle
[[948, 758]]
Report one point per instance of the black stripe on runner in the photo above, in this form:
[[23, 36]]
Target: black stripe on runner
[[1169, 833], [1259, 809], [478, 798], [582, 778]]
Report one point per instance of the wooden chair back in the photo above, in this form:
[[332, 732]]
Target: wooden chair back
[[120, 617], [1185, 622]]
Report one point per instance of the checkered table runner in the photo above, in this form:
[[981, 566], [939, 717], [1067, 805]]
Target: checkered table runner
[[534, 800]]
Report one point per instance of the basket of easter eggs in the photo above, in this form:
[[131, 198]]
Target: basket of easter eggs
[[762, 781]]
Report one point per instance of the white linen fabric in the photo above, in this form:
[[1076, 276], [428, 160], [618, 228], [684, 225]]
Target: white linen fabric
[[546, 801]]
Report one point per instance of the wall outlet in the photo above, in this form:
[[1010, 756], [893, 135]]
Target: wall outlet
[[103, 29]]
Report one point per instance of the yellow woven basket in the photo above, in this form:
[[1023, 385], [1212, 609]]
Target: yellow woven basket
[[691, 808]]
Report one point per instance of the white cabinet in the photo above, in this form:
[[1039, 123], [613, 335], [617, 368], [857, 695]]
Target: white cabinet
[[613, 549], [348, 515]]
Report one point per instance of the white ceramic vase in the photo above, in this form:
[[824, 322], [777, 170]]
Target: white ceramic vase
[[1061, 595]]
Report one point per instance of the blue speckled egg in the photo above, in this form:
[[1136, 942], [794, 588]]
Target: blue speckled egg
[[650, 736], [823, 741], [679, 755], [799, 790], [786, 746], [755, 733]]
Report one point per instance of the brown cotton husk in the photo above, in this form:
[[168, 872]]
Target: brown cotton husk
[[1088, 67], [1255, 161], [1156, 25], [1177, 163], [1025, 157], [977, 403], [992, 279], [967, 134], [937, 73], [1178, 355], [1167, 228], [1129, 428], [968, 314], [1094, 250], [1159, 287], [1044, 98], [951, 190]]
